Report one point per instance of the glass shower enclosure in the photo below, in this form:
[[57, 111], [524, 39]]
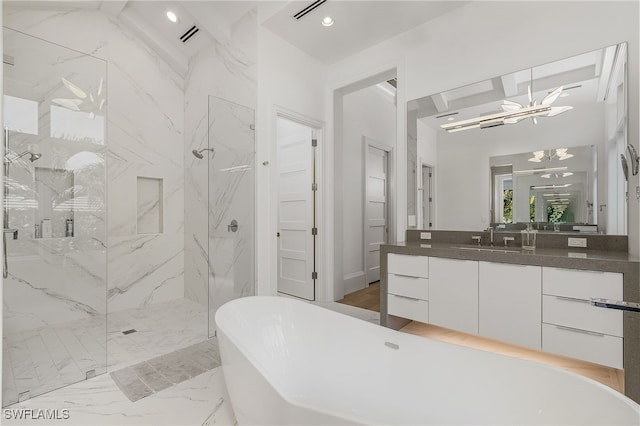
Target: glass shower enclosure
[[231, 175], [54, 205]]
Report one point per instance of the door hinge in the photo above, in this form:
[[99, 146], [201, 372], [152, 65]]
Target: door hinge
[[314, 186], [314, 231], [429, 174], [314, 275], [430, 199], [430, 224], [314, 142]]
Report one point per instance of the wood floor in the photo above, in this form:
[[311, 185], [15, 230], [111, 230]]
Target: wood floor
[[369, 298]]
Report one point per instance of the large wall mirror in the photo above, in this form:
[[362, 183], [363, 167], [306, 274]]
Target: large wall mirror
[[546, 145]]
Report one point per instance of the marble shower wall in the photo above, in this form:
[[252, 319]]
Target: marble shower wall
[[228, 72], [145, 132]]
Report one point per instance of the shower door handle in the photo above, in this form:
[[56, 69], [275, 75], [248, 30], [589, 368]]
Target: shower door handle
[[233, 226]]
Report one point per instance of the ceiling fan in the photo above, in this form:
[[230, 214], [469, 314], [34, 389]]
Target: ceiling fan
[[510, 106]]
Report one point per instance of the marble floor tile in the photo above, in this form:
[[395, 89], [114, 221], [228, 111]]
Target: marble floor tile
[[151, 377], [198, 401], [130, 384], [50, 357], [170, 327]]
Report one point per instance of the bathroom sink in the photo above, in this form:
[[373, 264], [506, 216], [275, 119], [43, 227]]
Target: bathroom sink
[[496, 250]]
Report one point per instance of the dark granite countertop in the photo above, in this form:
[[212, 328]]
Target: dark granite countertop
[[573, 258]]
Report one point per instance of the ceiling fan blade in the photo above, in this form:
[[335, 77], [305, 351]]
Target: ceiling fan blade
[[530, 95], [558, 110], [551, 97], [74, 89], [71, 104]]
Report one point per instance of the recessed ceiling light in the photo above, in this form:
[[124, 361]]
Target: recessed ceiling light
[[172, 16], [327, 21], [450, 119]]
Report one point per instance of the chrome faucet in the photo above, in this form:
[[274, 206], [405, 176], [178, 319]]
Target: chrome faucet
[[477, 238], [491, 235], [506, 241]]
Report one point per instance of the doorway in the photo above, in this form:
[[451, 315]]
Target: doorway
[[376, 206], [297, 229]]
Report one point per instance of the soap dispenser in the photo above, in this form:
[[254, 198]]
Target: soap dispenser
[[529, 238]]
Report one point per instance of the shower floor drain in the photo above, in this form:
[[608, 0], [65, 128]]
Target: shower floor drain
[[133, 330]]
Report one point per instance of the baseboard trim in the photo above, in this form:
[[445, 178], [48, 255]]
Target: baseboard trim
[[354, 281]]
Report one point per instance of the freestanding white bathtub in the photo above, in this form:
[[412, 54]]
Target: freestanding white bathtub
[[287, 362]]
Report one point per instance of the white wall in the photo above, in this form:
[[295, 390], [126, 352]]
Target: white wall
[[288, 79], [370, 113], [486, 39]]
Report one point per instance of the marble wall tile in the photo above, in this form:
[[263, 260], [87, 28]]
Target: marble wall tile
[[144, 138], [213, 256]]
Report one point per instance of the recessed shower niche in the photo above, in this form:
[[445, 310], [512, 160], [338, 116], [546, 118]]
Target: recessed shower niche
[[55, 214], [150, 205]]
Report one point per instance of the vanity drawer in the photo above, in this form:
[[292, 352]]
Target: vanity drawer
[[402, 264], [406, 307], [581, 284], [404, 285], [588, 346], [579, 313]]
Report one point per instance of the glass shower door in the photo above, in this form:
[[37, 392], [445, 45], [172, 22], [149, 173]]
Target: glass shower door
[[231, 204], [54, 265]]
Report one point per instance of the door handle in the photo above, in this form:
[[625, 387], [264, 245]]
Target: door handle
[[233, 226]]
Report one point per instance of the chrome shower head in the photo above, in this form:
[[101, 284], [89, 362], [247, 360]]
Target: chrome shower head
[[198, 153]]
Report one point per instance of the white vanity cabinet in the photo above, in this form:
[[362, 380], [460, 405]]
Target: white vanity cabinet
[[453, 294], [510, 303], [545, 308], [572, 326], [408, 286]]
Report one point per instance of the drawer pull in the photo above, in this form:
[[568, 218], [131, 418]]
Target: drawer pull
[[572, 299], [580, 270], [404, 297], [407, 276], [577, 330]]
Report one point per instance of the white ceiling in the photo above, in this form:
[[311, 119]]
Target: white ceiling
[[584, 77], [358, 24]]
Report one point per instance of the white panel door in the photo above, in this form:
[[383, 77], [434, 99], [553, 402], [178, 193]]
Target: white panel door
[[375, 210], [295, 210]]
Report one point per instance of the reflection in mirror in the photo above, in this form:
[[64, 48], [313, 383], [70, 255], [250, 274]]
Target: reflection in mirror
[[508, 150], [557, 186]]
